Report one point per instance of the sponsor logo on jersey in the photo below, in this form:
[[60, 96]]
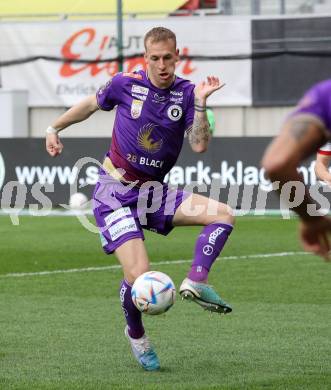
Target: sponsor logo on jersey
[[137, 76], [176, 100], [136, 108], [117, 214], [175, 112], [2, 171], [176, 93], [213, 235], [140, 97], [139, 89], [150, 162], [158, 98], [122, 227], [145, 140]]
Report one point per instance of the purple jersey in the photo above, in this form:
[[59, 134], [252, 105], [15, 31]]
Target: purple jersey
[[317, 102], [150, 123]]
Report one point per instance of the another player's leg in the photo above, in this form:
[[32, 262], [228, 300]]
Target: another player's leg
[[218, 227], [134, 260]]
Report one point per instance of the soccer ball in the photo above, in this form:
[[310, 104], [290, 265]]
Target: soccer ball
[[78, 201], [153, 292]]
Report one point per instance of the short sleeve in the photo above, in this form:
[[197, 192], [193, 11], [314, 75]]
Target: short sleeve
[[109, 95], [311, 103], [189, 115]]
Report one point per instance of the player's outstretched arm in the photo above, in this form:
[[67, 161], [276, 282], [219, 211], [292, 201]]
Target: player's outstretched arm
[[77, 113], [199, 133], [322, 167], [299, 138]]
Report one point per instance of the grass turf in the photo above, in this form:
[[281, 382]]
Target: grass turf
[[65, 331]]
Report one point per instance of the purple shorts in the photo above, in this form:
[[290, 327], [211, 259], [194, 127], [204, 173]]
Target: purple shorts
[[122, 211]]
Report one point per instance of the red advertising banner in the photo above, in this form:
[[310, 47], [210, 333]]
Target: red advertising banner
[[58, 74]]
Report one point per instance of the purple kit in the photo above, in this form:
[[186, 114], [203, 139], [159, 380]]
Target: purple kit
[[150, 123], [317, 102], [123, 210], [147, 138]]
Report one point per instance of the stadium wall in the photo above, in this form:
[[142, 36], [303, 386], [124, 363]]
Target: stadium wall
[[230, 122]]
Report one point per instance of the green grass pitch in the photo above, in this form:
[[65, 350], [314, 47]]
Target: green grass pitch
[[65, 330]]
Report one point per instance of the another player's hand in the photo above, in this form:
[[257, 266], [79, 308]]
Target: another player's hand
[[207, 87], [314, 236], [53, 144]]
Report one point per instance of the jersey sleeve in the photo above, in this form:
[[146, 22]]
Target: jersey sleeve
[[325, 149], [312, 103], [189, 115], [109, 95]]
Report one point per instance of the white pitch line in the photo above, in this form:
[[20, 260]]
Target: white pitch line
[[117, 266]]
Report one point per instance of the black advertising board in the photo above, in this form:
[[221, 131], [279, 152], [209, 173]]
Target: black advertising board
[[230, 172], [298, 57]]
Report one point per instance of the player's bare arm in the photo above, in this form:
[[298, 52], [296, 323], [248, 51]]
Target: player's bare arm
[[322, 167], [299, 138], [198, 134], [78, 113], [75, 114]]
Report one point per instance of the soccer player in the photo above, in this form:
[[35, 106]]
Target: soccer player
[[303, 133], [155, 109], [323, 159]]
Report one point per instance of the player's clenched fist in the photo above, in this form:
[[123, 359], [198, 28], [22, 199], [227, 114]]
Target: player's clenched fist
[[315, 236], [53, 143]]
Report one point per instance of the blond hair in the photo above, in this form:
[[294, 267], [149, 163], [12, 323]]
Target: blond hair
[[158, 34]]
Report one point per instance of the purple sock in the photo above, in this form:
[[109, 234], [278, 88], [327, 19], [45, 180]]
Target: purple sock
[[132, 314], [207, 248]]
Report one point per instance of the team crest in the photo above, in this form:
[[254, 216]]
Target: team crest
[[175, 112], [136, 108], [145, 140]]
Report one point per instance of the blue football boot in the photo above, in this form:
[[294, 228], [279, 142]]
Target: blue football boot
[[204, 295], [143, 352]]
